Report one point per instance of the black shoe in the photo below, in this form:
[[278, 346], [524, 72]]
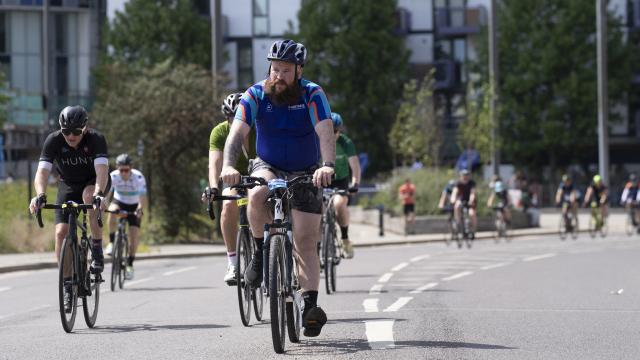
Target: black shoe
[[313, 320], [97, 265], [66, 299], [253, 274]]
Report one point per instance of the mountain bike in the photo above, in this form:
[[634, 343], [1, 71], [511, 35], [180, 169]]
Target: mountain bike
[[120, 249], [74, 268], [331, 244], [568, 223], [245, 247]]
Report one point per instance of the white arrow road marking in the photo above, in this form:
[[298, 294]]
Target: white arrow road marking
[[424, 287], [539, 257], [380, 333], [398, 304], [419, 258], [4, 288], [370, 305], [457, 276], [169, 273], [400, 266], [384, 278]]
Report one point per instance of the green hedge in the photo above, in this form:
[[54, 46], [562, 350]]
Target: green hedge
[[429, 184]]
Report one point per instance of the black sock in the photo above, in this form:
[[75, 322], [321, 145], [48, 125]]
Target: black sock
[[259, 242], [97, 243], [345, 231], [112, 236], [310, 299], [130, 260]]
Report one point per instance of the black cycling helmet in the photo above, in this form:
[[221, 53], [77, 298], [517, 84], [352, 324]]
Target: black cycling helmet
[[289, 51], [73, 117], [123, 160], [230, 104]]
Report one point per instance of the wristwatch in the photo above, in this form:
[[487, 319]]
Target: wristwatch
[[329, 164]]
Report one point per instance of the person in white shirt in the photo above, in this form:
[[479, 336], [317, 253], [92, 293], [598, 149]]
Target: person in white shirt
[[129, 190]]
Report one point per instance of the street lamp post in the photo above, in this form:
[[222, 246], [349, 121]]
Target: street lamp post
[[493, 88], [216, 43], [603, 101]]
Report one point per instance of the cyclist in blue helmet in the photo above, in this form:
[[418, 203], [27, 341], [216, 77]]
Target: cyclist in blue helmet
[[347, 163]]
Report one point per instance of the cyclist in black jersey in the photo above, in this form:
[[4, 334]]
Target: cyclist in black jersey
[[597, 192], [465, 193], [567, 193], [80, 157]]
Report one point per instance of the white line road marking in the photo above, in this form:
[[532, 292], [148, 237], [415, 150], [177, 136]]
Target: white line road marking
[[135, 282], [169, 273], [457, 276], [584, 251], [380, 333], [375, 289], [370, 305], [398, 304], [420, 258], [384, 278], [4, 288], [494, 266], [539, 257], [400, 266], [26, 311], [424, 287]]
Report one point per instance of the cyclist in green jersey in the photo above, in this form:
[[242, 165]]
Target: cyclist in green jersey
[[346, 159], [230, 212]]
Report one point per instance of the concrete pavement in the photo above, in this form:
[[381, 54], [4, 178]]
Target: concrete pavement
[[362, 235]]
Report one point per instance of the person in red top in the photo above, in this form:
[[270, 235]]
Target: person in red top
[[407, 193]]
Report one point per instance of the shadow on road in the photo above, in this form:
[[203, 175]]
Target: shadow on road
[[149, 327], [169, 288], [349, 346]]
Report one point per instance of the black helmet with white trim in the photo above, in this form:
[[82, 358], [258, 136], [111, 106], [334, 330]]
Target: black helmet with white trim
[[289, 51], [230, 104], [123, 160], [73, 117]]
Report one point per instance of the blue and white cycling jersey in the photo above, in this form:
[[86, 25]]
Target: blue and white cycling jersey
[[285, 135], [128, 191]]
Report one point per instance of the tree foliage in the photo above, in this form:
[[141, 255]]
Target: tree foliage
[[548, 82], [151, 31], [169, 108], [475, 131], [359, 61], [416, 134]]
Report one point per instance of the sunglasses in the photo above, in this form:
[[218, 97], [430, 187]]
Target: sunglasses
[[125, 170], [67, 132]]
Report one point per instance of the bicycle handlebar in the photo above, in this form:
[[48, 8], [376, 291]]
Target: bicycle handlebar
[[66, 205]]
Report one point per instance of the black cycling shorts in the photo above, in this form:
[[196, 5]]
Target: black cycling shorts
[[132, 219], [306, 197], [409, 209], [73, 192], [342, 184]]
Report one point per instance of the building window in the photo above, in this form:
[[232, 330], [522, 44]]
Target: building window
[[245, 64], [260, 17], [62, 74], [4, 48]]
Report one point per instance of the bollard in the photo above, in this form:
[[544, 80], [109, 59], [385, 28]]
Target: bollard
[[381, 219]]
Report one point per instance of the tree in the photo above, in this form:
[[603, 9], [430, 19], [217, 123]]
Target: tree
[[151, 31], [547, 89], [475, 131], [362, 67], [169, 108], [416, 134]]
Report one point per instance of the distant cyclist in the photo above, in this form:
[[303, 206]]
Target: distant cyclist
[[129, 191], [444, 204], [230, 213], [629, 196], [346, 162], [597, 193], [500, 199], [567, 193], [464, 194]]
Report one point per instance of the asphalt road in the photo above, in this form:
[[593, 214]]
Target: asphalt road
[[532, 298]]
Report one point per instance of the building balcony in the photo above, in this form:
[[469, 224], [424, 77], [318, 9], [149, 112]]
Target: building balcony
[[457, 21]]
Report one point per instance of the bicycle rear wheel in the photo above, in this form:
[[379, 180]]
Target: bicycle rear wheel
[[277, 293], [68, 276], [91, 295], [258, 296], [243, 254]]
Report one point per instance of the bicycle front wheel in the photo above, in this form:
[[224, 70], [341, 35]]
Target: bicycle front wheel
[[277, 293], [123, 255], [243, 256], [91, 295], [328, 249], [68, 279], [115, 264]]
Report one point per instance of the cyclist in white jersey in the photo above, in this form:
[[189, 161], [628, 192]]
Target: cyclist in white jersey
[[129, 190]]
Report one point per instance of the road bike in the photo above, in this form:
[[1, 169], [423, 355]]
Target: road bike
[[502, 229], [75, 273], [331, 245], [464, 227], [597, 223], [245, 247], [452, 225], [120, 249], [631, 224], [568, 223]]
